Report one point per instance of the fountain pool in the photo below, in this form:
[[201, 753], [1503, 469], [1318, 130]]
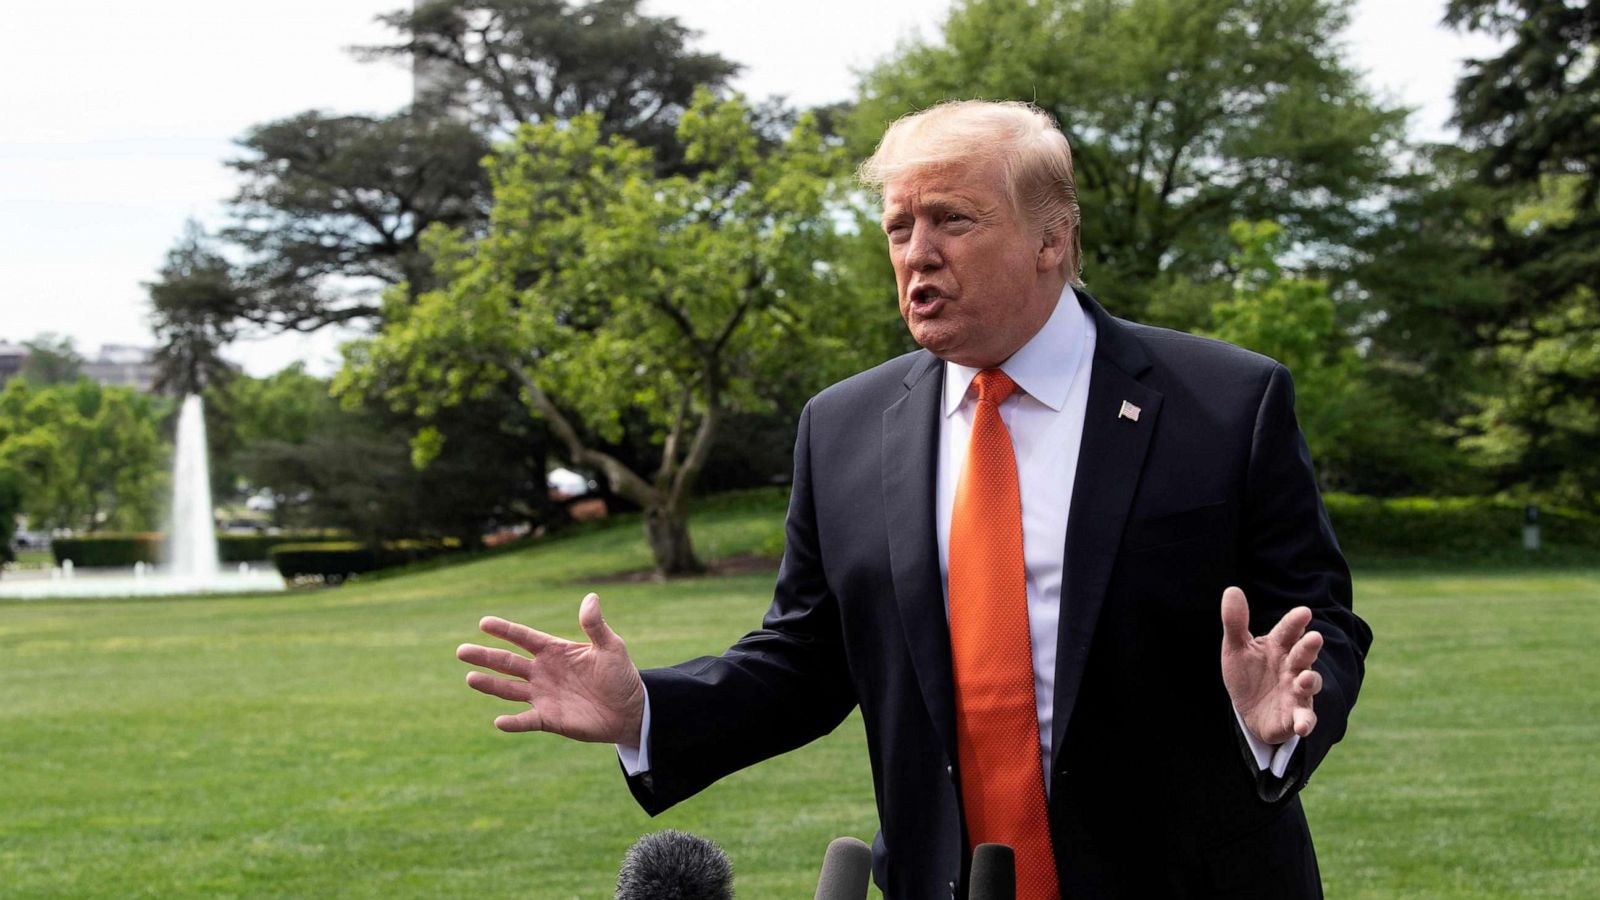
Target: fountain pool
[[191, 545]]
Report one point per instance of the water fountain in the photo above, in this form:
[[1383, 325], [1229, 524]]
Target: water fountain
[[193, 566], [191, 539]]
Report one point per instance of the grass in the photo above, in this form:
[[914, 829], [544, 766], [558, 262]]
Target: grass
[[34, 559], [323, 744]]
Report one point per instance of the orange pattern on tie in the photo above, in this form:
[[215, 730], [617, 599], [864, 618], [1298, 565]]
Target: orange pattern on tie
[[997, 723]]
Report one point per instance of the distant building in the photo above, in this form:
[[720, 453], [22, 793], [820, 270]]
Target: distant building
[[12, 356], [123, 365]]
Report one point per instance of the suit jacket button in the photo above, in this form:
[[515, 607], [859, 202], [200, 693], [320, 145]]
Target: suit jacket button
[[950, 771], [648, 781]]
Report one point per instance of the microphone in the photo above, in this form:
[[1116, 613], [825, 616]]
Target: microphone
[[846, 868], [994, 873], [674, 865]]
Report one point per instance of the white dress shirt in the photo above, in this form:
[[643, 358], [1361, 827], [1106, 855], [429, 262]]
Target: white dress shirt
[[1045, 418]]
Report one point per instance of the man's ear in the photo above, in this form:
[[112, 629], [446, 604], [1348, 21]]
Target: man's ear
[[1052, 250]]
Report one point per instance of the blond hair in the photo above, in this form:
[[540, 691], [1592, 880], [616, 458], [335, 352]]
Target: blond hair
[[1033, 153]]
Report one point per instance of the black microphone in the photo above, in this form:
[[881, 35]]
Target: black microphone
[[673, 865], [846, 868], [994, 873]]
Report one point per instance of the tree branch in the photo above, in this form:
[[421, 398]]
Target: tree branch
[[623, 480]]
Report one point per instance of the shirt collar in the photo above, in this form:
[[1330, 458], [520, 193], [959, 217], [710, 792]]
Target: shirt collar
[[1043, 368]]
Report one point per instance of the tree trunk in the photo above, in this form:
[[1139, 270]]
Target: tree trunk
[[667, 529]]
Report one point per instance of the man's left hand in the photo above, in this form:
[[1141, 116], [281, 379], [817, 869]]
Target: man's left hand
[[1270, 678]]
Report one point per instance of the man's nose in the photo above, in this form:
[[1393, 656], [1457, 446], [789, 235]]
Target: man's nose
[[922, 250]]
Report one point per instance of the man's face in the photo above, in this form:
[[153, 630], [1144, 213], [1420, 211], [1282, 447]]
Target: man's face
[[973, 281]]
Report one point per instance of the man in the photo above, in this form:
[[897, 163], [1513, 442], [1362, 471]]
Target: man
[[1008, 549]]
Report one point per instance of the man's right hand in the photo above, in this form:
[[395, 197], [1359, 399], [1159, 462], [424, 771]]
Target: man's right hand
[[588, 692]]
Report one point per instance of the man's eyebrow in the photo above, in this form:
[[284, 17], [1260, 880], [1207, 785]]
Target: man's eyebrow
[[931, 201]]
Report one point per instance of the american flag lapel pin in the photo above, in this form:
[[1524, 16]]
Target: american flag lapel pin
[[1128, 411]]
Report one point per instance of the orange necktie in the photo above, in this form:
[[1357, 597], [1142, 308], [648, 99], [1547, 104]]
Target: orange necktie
[[997, 724]]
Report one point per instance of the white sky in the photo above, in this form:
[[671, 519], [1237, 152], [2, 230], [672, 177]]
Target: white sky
[[116, 119]]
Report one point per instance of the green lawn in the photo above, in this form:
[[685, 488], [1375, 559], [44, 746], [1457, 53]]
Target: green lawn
[[34, 559], [323, 744]]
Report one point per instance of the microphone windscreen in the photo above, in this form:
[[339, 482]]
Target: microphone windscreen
[[673, 865], [994, 873], [846, 869]]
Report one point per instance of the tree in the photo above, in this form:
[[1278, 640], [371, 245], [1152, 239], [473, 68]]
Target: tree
[[332, 205], [515, 61], [10, 508], [89, 457], [1360, 437], [1532, 118], [331, 208], [51, 360], [195, 309], [618, 299], [1184, 116], [332, 467]]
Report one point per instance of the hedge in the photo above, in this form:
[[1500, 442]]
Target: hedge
[[334, 561], [109, 550], [122, 550], [1455, 529], [237, 548]]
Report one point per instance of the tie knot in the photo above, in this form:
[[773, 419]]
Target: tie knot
[[994, 386]]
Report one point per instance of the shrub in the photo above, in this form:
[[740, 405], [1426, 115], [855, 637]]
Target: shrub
[[123, 550], [1455, 529], [108, 550], [237, 548], [334, 561]]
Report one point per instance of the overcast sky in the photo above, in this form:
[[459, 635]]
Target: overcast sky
[[116, 119]]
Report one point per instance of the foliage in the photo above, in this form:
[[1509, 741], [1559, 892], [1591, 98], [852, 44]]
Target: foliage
[[1184, 116], [1419, 299], [124, 549], [619, 300], [195, 307], [1531, 112], [327, 466], [238, 548], [1359, 437], [10, 508], [517, 61], [1530, 117], [86, 457], [110, 550], [1542, 425], [1464, 530], [51, 360], [335, 561], [332, 206]]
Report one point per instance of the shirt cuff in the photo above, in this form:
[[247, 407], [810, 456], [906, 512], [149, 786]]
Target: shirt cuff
[[1269, 757], [636, 759]]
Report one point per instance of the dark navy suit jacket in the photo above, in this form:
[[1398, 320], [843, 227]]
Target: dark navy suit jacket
[[1153, 792]]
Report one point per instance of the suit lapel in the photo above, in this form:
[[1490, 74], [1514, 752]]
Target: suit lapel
[[910, 470], [1110, 460]]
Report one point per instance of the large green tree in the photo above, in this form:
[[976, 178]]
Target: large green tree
[[514, 61], [87, 457], [1184, 116], [620, 300], [1360, 435], [1531, 116], [331, 207]]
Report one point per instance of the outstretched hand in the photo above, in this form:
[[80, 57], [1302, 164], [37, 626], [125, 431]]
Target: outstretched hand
[[588, 692], [1270, 678]]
